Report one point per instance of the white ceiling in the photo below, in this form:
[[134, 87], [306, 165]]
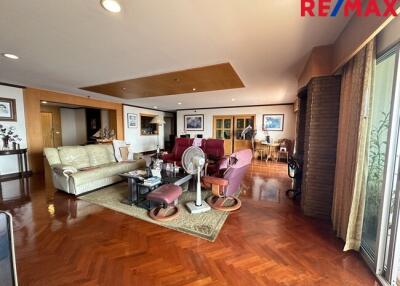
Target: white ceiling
[[67, 44]]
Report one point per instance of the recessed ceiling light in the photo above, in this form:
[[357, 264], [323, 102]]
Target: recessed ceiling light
[[233, 99], [194, 89], [10, 56], [155, 107], [44, 102], [124, 88], [111, 5], [179, 103]]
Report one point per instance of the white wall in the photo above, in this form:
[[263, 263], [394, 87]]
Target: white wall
[[105, 118], [139, 142], [9, 164], [73, 126], [287, 110]]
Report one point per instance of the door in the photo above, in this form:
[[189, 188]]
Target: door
[[46, 119], [380, 243], [243, 123], [223, 129]]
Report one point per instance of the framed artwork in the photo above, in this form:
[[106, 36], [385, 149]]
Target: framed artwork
[[7, 109], [194, 122], [132, 120], [273, 122]]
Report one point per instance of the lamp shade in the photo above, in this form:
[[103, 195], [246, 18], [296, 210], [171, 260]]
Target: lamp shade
[[157, 120]]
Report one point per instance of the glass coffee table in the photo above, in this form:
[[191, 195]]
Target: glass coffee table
[[137, 189]]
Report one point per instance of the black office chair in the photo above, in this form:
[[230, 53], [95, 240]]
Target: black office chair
[[295, 173]]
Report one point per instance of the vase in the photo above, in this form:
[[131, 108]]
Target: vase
[[6, 142]]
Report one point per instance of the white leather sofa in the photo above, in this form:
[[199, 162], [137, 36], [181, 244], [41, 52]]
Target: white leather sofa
[[80, 169]]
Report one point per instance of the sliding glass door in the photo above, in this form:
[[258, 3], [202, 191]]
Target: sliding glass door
[[379, 113], [381, 216]]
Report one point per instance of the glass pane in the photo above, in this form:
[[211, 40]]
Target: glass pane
[[219, 123], [227, 123], [249, 122], [219, 134], [378, 133], [238, 133], [240, 123], [227, 134]]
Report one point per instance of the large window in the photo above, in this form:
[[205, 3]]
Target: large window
[[380, 232], [378, 137]]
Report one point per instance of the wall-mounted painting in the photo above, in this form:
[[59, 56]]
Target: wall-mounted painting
[[7, 109], [273, 122], [132, 120], [194, 122]]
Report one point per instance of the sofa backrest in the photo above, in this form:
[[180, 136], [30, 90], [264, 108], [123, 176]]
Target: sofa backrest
[[52, 156], [81, 156], [214, 148], [75, 156], [181, 144], [100, 154]]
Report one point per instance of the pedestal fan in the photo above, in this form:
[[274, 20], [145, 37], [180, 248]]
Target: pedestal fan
[[193, 161]]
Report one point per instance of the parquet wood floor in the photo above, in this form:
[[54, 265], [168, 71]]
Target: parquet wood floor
[[64, 241]]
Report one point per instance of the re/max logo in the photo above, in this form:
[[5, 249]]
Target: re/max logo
[[323, 7]]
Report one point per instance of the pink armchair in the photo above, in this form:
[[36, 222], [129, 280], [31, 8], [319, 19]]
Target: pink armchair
[[226, 188]]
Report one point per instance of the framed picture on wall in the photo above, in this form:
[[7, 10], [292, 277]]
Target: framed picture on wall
[[7, 109], [194, 122], [132, 120], [273, 122]]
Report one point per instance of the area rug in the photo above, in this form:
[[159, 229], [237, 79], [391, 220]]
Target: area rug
[[206, 225]]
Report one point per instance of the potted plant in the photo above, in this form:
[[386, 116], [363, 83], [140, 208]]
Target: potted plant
[[8, 136]]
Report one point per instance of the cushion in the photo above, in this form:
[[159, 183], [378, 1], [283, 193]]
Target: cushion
[[52, 156], [165, 194], [124, 153], [75, 156], [99, 154], [105, 171]]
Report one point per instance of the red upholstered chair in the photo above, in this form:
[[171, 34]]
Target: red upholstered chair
[[214, 150], [181, 144]]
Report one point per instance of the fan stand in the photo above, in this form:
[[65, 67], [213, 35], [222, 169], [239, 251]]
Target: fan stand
[[198, 206]]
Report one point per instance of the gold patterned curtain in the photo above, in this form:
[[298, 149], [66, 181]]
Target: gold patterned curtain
[[350, 176]]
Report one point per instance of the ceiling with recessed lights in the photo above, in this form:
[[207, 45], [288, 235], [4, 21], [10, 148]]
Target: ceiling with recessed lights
[[67, 44], [201, 79]]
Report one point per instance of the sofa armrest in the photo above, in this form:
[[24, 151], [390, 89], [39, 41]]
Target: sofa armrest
[[63, 170]]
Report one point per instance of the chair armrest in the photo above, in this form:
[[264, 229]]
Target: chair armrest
[[63, 170], [215, 181]]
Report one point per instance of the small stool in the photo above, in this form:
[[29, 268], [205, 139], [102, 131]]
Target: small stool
[[167, 196]]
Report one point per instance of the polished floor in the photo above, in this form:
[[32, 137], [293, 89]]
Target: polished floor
[[61, 240]]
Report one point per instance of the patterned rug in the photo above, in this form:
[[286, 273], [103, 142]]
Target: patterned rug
[[206, 225]]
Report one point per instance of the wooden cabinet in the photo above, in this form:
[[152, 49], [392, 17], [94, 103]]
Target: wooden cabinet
[[223, 129], [229, 128]]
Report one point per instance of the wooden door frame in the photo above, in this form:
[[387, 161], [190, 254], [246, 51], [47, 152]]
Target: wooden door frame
[[233, 129], [244, 116], [32, 100], [223, 117]]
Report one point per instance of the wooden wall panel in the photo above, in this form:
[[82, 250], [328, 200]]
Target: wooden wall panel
[[32, 99], [320, 142], [208, 78]]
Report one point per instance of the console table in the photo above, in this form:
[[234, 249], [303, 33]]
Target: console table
[[22, 164]]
